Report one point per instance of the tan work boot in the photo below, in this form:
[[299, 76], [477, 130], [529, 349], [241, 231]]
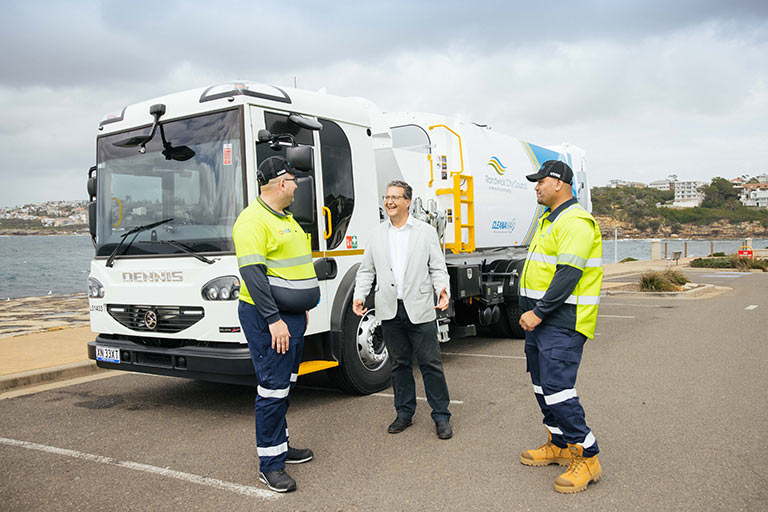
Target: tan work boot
[[546, 454], [581, 471]]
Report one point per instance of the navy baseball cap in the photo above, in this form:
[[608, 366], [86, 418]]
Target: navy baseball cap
[[274, 167], [554, 169]]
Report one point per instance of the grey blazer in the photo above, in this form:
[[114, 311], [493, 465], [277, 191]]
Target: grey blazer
[[425, 274]]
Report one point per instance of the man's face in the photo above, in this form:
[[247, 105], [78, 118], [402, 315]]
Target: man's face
[[395, 202], [289, 185], [546, 190]]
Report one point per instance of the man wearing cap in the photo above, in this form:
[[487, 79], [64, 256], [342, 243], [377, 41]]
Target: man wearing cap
[[559, 296], [279, 287]]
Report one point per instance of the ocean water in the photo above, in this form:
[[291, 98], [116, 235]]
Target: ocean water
[[37, 265]]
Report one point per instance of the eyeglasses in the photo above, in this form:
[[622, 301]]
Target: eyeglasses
[[392, 198]]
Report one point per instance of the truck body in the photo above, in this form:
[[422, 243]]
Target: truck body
[[173, 173]]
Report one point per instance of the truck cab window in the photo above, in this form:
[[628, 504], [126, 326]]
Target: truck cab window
[[338, 182]]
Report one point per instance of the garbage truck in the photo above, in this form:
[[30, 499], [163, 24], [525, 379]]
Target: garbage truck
[[173, 173]]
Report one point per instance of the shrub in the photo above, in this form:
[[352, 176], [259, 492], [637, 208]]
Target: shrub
[[628, 258], [718, 254], [731, 262], [676, 277], [653, 281], [749, 263]]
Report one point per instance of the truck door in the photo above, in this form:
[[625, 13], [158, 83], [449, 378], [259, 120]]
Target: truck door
[[277, 122]]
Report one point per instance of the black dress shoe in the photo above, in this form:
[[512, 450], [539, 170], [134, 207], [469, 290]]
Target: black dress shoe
[[278, 480], [444, 430], [399, 425]]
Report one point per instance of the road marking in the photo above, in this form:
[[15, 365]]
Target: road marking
[[603, 303], [751, 307], [385, 395], [615, 316], [482, 355], [726, 274], [187, 477], [389, 395]]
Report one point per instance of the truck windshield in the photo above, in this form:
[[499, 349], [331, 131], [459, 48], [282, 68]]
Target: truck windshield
[[202, 194]]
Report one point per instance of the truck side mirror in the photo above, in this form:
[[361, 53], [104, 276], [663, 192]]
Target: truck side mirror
[[301, 157], [92, 186]]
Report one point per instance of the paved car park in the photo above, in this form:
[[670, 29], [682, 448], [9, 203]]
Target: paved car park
[[672, 387]]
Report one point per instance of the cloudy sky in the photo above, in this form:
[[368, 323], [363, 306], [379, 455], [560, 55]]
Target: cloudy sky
[[647, 88]]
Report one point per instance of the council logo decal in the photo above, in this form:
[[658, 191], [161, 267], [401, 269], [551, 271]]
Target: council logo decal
[[497, 165]]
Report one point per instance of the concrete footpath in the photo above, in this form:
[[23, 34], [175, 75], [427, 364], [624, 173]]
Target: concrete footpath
[[60, 354]]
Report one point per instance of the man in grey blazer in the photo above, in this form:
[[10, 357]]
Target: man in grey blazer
[[408, 265]]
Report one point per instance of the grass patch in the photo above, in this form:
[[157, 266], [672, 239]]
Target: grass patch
[[655, 281], [675, 277], [731, 262]]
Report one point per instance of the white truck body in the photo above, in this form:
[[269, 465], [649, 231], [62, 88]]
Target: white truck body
[[150, 306]]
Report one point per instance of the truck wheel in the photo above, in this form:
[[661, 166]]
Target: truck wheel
[[511, 314], [364, 366]]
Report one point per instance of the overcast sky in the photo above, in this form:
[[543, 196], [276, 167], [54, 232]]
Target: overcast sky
[[645, 88]]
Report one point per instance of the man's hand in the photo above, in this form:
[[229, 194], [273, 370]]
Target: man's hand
[[442, 301], [281, 337], [529, 321], [357, 307]]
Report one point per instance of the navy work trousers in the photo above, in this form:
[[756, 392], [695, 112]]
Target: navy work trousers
[[276, 375], [553, 355], [404, 340]]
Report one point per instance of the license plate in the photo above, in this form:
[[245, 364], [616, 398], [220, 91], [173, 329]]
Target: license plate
[[107, 354]]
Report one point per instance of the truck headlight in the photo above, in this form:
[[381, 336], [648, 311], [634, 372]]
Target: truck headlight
[[95, 289], [222, 288]]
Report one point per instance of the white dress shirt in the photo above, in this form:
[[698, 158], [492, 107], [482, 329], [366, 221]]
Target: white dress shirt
[[398, 251]]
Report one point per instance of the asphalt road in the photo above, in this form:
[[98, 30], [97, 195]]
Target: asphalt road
[[674, 389]]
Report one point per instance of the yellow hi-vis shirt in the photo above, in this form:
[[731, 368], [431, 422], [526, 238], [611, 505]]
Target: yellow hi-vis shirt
[[572, 238], [274, 255]]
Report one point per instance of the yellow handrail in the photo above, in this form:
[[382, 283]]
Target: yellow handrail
[[120, 212], [461, 154], [327, 214], [431, 171]]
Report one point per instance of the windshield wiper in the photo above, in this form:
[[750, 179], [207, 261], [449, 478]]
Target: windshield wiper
[[135, 231], [188, 250]]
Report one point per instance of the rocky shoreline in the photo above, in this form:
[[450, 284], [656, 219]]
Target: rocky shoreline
[[720, 230], [26, 315]]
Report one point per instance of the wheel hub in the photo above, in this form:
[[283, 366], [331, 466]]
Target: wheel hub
[[370, 342]]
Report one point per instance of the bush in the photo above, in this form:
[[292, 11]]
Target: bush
[[653, 281], [676, 277], [628, 258], [731, 262], [718, 254], [749, 263]]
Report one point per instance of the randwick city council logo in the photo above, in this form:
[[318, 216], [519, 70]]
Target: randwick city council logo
[[497, 165]]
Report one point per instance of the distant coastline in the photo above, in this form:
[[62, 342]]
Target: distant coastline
[[44, 232]]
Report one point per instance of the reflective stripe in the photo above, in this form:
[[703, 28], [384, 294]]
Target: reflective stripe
[[299, 284], [543, 258], [594, 263], [538, 390], [272, 451], [290, 262], [272, 393], [560, 396], [554, 430], [577, 300], [572, 259], [588, 441], [250, 259], [294, 377]]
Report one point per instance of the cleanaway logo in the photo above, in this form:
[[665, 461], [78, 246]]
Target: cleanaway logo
[[497, 165], [153, 277]]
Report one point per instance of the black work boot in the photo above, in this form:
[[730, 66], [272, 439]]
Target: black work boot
[[278, 480], [298, 455]]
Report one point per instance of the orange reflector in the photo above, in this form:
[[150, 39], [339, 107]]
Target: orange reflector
[[316, 366]]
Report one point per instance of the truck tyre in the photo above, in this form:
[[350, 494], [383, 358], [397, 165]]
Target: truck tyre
[[511, 312], [364, 366]]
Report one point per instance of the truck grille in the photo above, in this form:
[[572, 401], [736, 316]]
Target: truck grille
[[166, 319]]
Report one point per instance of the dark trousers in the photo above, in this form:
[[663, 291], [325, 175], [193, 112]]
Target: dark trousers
[[276, 375], [553, 355], [404, 340]]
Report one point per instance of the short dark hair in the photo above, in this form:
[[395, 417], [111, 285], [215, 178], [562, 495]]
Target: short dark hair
[[407, 190]]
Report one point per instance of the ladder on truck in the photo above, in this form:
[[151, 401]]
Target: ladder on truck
[[461, 196]]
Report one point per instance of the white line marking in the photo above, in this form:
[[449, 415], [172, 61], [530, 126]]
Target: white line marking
[[603, 303], [614, 316], [751, 307], [388, 395], [187, 477], [482, 355]]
